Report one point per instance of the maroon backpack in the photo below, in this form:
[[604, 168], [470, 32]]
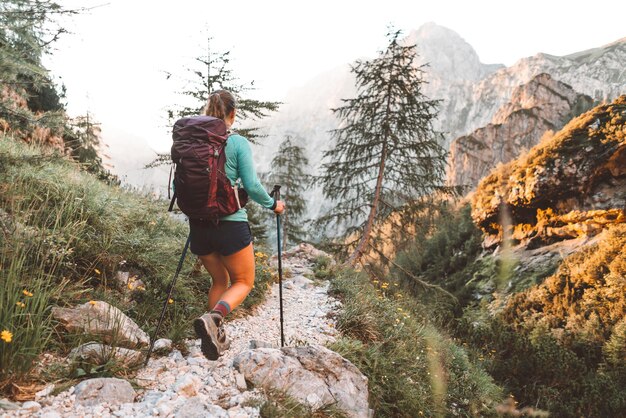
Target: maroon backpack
[[201, 187]]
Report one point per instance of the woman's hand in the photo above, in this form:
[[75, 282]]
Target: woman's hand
[[280, 207]]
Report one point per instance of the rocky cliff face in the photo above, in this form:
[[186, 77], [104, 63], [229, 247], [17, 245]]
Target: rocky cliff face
[[571, 185], [543, 104], [471, 92]]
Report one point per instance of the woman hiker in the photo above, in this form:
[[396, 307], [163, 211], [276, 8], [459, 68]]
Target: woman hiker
[[225, 249]]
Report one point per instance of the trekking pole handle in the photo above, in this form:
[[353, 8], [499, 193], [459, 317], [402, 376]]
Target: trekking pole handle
[[276, 192]]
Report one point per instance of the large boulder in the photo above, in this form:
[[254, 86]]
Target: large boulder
[[97, 318], [313, 375], [110, 390]]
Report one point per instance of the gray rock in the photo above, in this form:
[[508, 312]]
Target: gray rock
[[122, 278], [50, 414], [187, 385], [196, 408], [8, 405], [101, 319], [195, 361], [128, 282], [44, 392], [164, 409], [303, 282], [176, 356], [101, 353], [240, 381], [111, 390], [260, 344], [163, 345], [31, 406], [314, 375]]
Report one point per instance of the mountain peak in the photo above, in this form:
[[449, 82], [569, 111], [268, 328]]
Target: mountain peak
[[448, 53]]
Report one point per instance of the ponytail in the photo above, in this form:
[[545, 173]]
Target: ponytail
[[220, 104]]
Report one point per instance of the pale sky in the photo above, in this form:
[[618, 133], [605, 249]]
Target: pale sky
[[114, 62]]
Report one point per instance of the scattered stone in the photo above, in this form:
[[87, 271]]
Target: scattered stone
[[98, 318], [8, 405], [101, 353], [260, 344], [104, 389], [44, 392], [128, 282], [196, 408], [187, 385], [313, 375], [303, 282], [163, 345], [240, 380], [122, 278], [164, 409], [31, 406]]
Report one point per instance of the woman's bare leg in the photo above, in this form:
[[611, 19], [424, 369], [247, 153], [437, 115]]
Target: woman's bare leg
[[239, 268], [219, 274]]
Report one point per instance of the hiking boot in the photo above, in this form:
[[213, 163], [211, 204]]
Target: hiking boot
[[210, 329]]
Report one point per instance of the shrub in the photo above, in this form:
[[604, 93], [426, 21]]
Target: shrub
[[412, 369]]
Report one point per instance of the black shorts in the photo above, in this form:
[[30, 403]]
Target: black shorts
[[227, 237]]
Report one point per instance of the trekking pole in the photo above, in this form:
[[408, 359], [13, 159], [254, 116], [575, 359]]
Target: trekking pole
[[167, 300], [276, 194]]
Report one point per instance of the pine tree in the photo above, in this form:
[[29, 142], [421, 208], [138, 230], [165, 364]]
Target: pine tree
[[212, 72], [82, 139], [27, 29], [257, 220], [387, 155], [290, 172]]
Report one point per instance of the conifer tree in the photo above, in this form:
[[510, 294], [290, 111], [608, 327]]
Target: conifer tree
[[257, 220], [387, 155], [290, 172], [212, 72]]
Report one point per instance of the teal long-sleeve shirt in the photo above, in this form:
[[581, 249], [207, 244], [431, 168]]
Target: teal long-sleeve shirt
[[240, 165]]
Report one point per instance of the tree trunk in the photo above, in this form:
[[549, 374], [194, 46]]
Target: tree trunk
[[355, 257], [367, 231]]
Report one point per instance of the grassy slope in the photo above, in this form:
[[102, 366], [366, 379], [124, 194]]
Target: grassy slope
[[552, 335], [413, 369], [64, 235]]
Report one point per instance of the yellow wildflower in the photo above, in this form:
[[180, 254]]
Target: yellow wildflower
[[170, 301], [6, 336], [92, 302], [97, 271], [27, 293], [20, 304]]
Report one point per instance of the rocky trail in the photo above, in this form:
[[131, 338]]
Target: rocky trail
[[177, 385]]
